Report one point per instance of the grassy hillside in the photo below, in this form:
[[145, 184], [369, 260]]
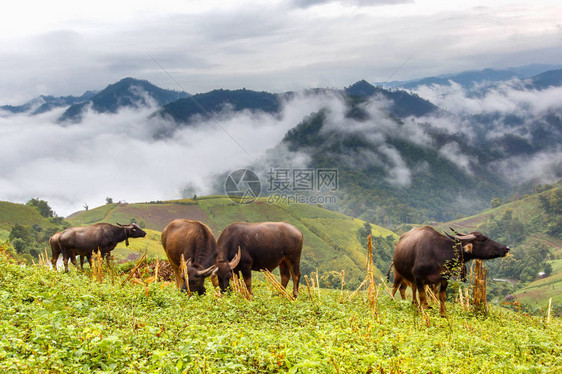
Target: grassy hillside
[[530, 226], [12, 213], [331, 240], [64, 322]]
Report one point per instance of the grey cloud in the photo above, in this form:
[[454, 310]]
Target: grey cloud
[[310, 3]]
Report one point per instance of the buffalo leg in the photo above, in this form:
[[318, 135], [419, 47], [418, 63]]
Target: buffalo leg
[[285, 274], [443, 297], [414, 294], [296, 274], [247, 274], [54, 259], [423, 296]]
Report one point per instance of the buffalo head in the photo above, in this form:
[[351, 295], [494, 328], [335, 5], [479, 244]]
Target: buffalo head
[[196, 275], [133, 230], [225, 269], [478, 245]]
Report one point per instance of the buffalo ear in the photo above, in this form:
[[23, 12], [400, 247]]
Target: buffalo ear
[[467, 248]]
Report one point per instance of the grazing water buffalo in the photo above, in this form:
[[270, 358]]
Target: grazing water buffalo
[[196, 242], [101, 236], [243, 247], [424, 256]]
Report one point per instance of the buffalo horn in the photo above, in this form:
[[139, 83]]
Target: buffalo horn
[[456, 232], [206, 272], [235, 260], [118, 224], [461, 237]]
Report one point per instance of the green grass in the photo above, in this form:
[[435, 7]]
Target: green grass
[[63, 322]]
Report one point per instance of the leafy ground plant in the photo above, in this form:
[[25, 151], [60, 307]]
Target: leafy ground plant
[[57, 322]]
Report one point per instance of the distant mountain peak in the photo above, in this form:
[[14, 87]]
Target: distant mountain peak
[[123, 94]]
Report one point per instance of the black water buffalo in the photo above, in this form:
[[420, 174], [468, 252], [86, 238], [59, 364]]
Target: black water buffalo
[[195, 241], [243, 247], [424, 256], [101, 236]]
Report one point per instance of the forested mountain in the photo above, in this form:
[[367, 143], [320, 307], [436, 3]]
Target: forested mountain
[[127, 92]]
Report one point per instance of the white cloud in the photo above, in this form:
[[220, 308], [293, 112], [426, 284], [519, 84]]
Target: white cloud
[[115, 155]]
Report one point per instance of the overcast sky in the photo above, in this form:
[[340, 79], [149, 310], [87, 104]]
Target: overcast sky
[[66, 47]]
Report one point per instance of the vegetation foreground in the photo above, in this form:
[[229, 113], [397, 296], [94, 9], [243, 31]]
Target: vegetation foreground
[[68, 322]]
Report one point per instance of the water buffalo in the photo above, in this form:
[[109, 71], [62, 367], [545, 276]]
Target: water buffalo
[[424, 256], [197, 243], [101, 236], [243, 247], [57, 251]]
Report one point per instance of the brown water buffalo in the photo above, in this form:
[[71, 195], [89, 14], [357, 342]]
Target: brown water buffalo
[[101, 236], [197, 243], [424, 256], [243, 247]]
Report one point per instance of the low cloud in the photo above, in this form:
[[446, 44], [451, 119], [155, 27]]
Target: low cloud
[[116, 155]]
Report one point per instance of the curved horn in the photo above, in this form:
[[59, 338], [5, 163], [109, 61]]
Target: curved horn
[[235, 260], [118, 224], [461, 237], [206, 272], [456, 232]]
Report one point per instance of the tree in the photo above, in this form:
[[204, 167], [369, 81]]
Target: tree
[[495, 203], [86, 207], [109, 200], [42, 206]]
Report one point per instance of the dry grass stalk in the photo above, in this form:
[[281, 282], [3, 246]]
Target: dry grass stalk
[[478, 280], [239, 286], [548, 312], [277, 286], [183, 269], [132, 272], [317, 285], [430, 293], [309, 288], [97, 265], [156, 268], [358, 288], [335, 365], [342, 284], [386, 287]]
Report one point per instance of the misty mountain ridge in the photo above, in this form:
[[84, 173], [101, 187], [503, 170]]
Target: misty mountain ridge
[[128, 92], [46, 103], [401, 156], [468, 79]]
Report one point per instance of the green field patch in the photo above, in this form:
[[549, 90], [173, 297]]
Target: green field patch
[[65, 322]]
